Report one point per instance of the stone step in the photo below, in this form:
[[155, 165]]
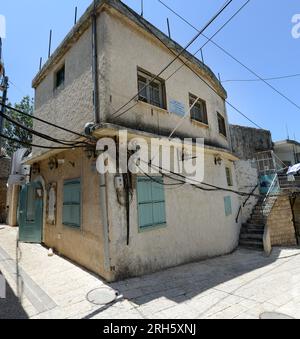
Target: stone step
[[252, 244], [251, 236], [253, 226], [260, 223], [252, 231]]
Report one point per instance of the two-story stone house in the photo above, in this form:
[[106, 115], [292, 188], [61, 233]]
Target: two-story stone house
[[110, 55]]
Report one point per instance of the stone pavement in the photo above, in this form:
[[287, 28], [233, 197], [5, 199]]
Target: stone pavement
[[242, 285]]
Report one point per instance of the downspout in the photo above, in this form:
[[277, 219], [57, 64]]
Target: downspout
[[103, 193], [95, 72]]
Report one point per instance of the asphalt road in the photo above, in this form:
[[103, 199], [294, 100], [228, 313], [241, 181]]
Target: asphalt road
[[10, 307]]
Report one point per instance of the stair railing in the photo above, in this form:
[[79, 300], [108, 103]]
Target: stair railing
[[245, 202]]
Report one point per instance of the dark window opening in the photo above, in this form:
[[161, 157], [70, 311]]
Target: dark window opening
[[60, 77], [199, 110], [151, 92], [222, 125]]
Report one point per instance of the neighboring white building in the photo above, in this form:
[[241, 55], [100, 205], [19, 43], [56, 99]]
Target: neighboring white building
[[288, 151], [171, 225]]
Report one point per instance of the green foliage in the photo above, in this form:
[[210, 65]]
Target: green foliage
[[12, 131]]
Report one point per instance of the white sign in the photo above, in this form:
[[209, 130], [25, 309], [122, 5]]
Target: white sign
[[2, 27], [2, 287], [177, 108]]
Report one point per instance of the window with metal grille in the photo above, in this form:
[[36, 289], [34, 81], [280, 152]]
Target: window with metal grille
[[222, 125], [151, 92], [199, 110], [151, 202], [72, 203], [60, 77]]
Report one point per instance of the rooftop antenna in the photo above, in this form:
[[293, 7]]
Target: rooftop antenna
[[287, 131], [142, 8], [50, 42], [219, 76], [202, 56], [169, 30], [41, 62], [75, 19]]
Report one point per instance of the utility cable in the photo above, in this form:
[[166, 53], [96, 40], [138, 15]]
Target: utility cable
[[177, 55]]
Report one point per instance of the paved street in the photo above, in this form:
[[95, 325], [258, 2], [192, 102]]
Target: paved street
[[241, 285]]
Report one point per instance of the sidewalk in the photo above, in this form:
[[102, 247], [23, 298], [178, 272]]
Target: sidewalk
[[242, 285]]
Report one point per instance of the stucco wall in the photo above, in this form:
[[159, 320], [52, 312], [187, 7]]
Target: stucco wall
[[197, 227], [129, 48], [84, 245], [70, 106], [247, 141], [247, 180]]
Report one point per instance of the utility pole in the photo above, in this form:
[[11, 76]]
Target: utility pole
[[3, 89]]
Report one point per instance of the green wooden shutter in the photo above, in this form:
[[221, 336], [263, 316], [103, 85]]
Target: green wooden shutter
[[151, 202], [228, 206], [72, 203]]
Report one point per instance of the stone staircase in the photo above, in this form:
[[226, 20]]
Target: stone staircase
[[252, 232]]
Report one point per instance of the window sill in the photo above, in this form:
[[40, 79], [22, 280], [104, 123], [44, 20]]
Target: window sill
[[223, 136], [199, 124], [71, 226], [58, 90], [152, 228], [153, 107]]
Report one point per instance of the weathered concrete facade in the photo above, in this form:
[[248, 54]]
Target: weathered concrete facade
[[288, 151], [4, 173], [198, 222], [246, 141]]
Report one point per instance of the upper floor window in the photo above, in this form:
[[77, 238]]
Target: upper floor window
[[60, 77], [222, 125], [229, 177], [152, 92], [198, 111]]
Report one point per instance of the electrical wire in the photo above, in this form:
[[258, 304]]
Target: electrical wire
[[177, 55], [34, 145], [44, 121], [41, 135], [215, 188], [185, 63], [234, 58], [266, 79]]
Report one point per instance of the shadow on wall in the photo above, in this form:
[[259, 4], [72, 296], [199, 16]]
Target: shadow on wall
[[183, 283]]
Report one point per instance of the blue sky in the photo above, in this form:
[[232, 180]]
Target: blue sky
[[260, 36]]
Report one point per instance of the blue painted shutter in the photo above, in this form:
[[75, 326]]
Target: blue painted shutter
[[151, 202], [228, 206], [72, 203]]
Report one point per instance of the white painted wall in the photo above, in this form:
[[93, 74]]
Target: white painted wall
[[247, 179], [197, 227]]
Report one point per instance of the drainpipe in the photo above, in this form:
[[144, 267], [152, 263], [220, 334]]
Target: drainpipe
[[95, 65], [103, 196]]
